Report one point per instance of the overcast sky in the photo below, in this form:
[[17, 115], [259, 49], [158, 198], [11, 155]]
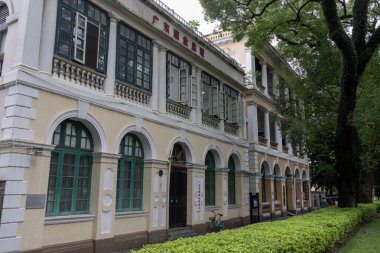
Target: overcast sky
[[190, 10]]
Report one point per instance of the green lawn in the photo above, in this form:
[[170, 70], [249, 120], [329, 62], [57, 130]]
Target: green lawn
[[366, 240]]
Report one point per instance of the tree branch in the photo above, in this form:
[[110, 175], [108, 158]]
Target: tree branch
[[359, 29], [372, 45]]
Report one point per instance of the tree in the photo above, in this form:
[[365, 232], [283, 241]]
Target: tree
[[194, 24], [352, 28]]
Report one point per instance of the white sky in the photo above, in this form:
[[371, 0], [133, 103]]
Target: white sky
[[190, 10]]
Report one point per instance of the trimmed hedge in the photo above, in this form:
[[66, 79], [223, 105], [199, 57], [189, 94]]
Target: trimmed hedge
[[317, 231]]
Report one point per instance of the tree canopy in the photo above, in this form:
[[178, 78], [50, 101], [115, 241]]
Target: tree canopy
[[330, 44]]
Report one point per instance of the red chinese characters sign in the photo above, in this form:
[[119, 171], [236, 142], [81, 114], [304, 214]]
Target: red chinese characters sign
[[182, 38]]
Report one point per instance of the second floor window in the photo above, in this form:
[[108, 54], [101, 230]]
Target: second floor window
[[82, 33], [134, 58], [210, 95]]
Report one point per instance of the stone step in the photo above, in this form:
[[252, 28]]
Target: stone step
[[175, 233]]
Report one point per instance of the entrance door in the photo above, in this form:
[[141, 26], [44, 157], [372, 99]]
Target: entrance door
[[178, 197]]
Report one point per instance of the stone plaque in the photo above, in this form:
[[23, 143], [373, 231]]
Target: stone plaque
[[35, 201]]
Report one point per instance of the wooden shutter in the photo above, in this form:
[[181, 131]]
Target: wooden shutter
[[194, 91], [183, 85], [214, 100], [80, 38]]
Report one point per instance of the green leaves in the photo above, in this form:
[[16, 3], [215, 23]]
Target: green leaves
[[314, 232]]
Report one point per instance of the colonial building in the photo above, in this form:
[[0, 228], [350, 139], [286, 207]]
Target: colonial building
[[279, 171], [118, 123]]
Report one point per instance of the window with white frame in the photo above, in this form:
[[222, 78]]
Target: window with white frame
[[210, 95], [232, 105], [82, 33], [134, 58], [182, 83]]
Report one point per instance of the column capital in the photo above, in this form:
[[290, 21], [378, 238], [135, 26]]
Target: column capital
[[159, 45], [113, 17]]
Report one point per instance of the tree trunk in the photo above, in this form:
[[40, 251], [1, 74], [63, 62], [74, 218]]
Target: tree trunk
[[347, 151], [366, 184]]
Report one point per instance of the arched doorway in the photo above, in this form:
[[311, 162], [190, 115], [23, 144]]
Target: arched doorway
[[178, 187]]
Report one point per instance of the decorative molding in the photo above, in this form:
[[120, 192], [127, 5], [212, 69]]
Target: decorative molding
[[123, 215], [69, 219]]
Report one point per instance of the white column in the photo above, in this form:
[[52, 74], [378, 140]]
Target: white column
[[23, 41], [252, 122], [250, 66], [48, 34], [109, 83], [200, 95], [277, 126], [264, 76], [276, 84], [155, 78], [162, 80], [266, 127]]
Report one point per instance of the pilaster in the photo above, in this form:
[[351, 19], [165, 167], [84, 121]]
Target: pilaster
[[48, 33], [221, 189], [264, 76], [109, 82], [267, 127], [103, 194], [162, 80]]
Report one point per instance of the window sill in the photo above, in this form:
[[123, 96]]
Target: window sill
[[122, 215], [265, 204], [69, 219], [233, 206], [211, 208]]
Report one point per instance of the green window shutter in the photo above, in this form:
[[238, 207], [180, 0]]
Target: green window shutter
[[231, 182], [194, 91], [70, 170], [130, 175], [80, 31], [234, 110], [183, 85], [214, 101], [210, 180], [240, 112], [223, 105]]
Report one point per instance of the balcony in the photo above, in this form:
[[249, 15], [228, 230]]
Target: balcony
[[262, 141], [285, 149], [210, 121], [78, 74], [231, 128], [177, 109], [132, 94], [273, 145]]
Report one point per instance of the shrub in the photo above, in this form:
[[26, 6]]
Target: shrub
[[313, 232]]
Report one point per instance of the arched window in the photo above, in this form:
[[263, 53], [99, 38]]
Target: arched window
[[130, 175], [263, 188], [231, 181], [70, 170], [4, 13], [210, 179]]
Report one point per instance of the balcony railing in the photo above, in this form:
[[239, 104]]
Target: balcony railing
[[132, 94], [273, 145], [262, 141], [285, 149], [231, 128], [178, 109], [210, 121], [78, 74]]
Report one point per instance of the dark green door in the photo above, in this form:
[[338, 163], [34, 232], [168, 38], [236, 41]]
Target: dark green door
[[178, 197]]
